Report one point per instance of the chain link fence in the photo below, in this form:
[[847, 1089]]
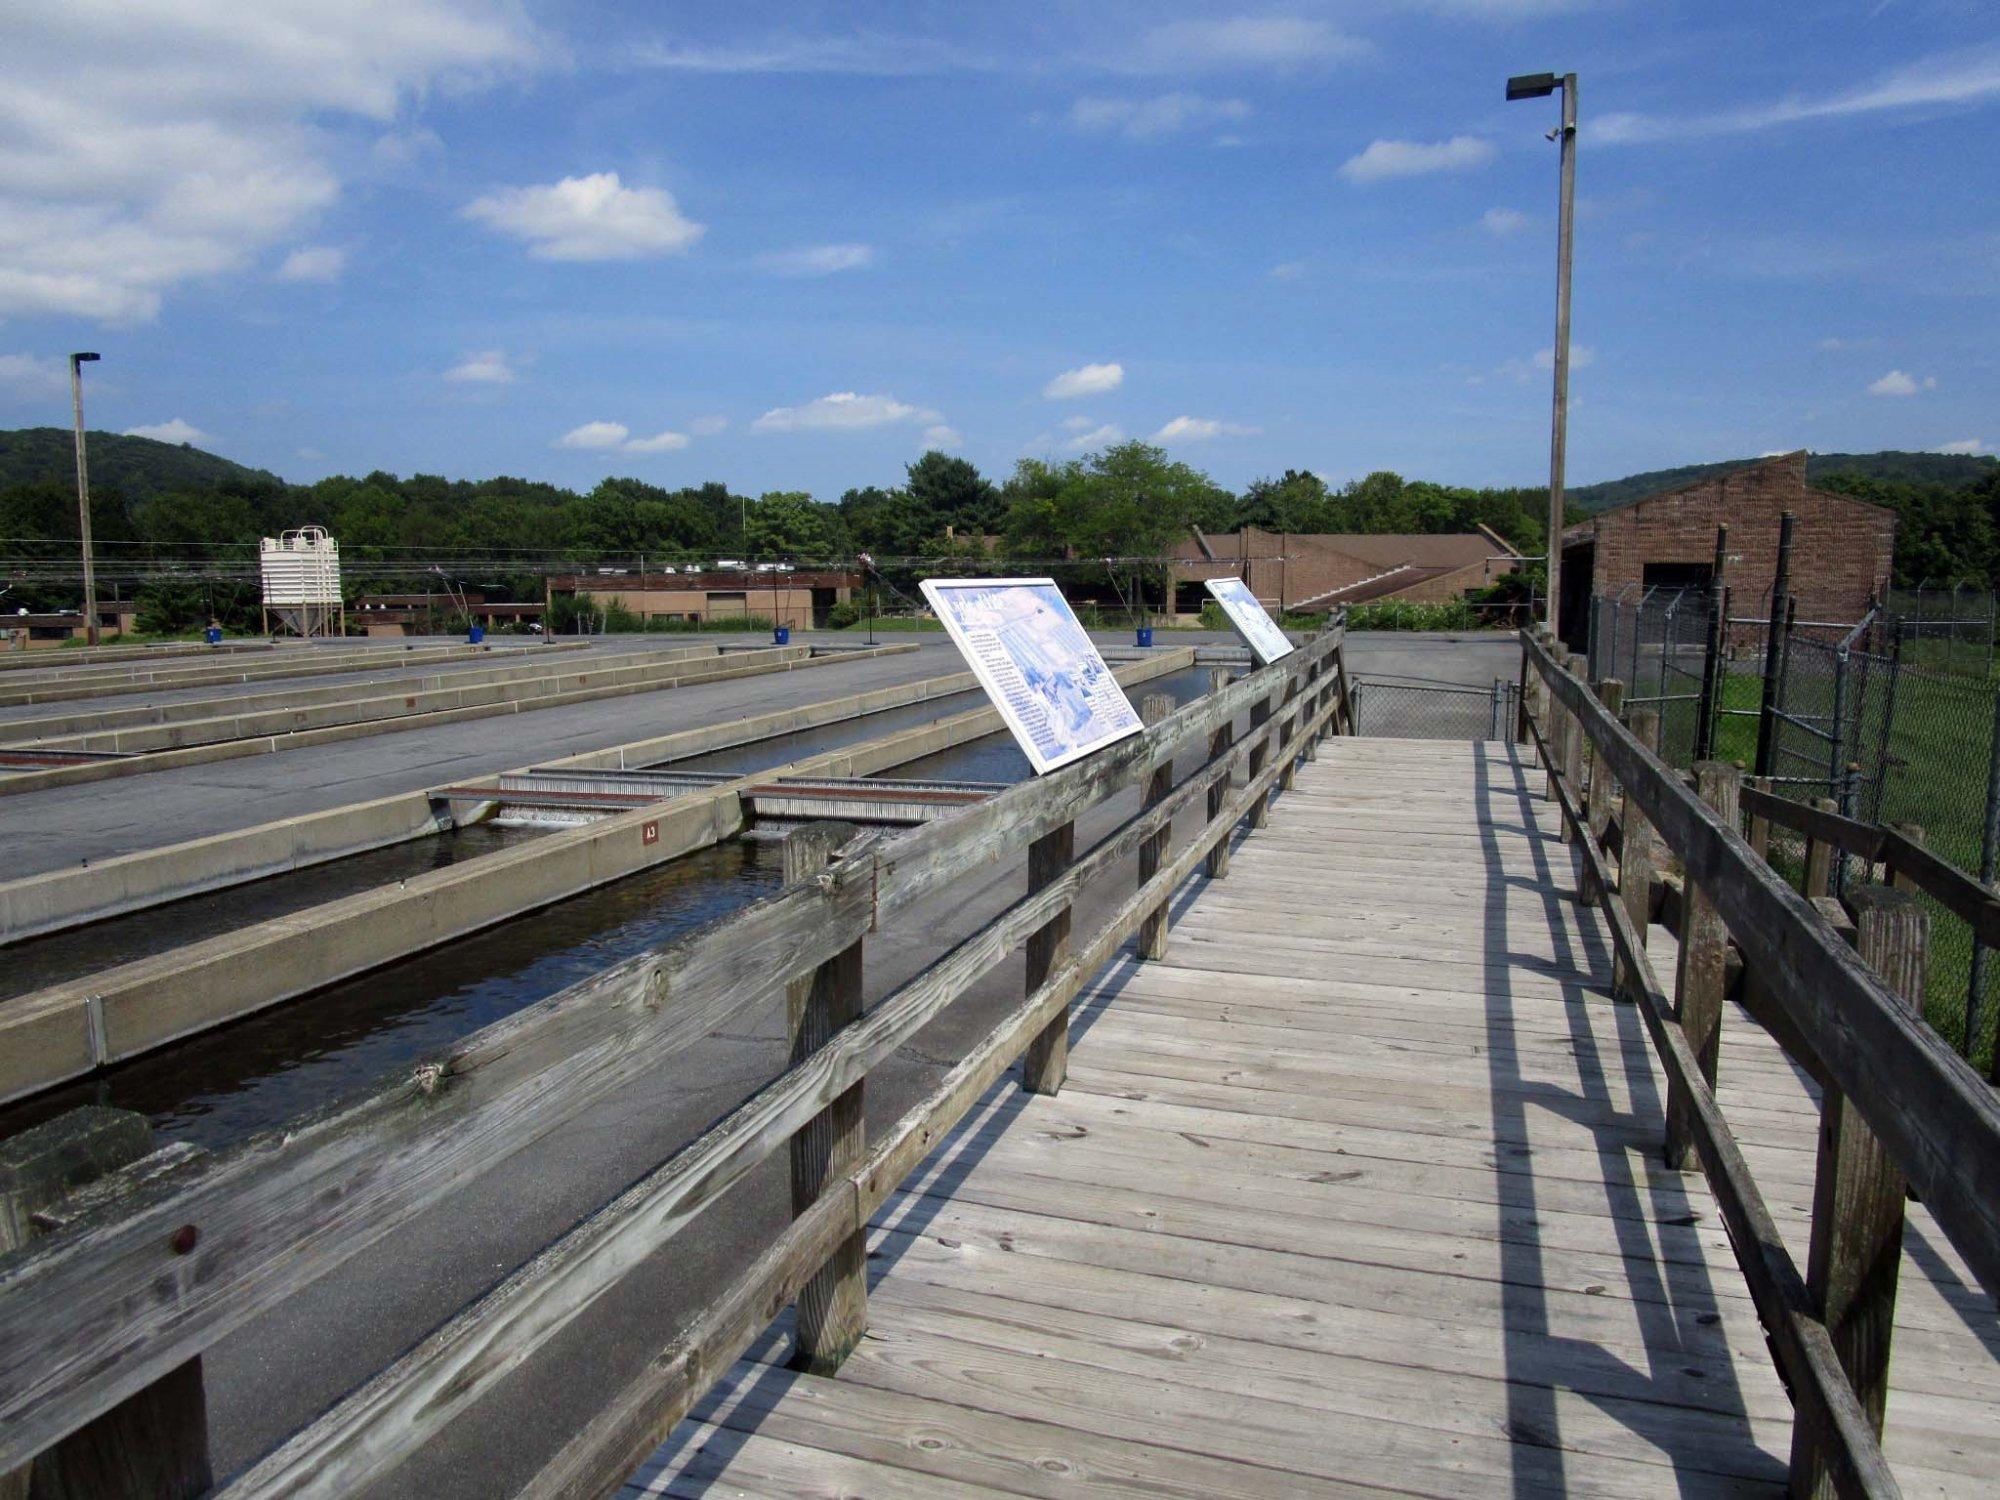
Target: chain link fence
[[1894, 719], [1406, 708]]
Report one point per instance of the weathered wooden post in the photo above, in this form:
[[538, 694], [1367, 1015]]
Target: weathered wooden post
[[1760, 825], [1045, 1063], [1555, 727], [1698, 984], [1597, 809], [1315, 701], [1901, 879], [1220, 740], [1819, 856], [1343, 721], [1288, 736], [1638, 859], [833, 1305], [1575, 744], [1152, 851], [154, 1442], [1260, 715], [1857, 1224]]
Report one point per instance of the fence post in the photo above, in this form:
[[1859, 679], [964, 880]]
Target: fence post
[[1260, 715], [1597, 810], [1575, 745], [1046, 1062], [1857, 1222], [1819, 857], [1220, 739], [1777, 634], [1699, 980], [1315, 700], [1555, 728], [1153, 930], [1637, 858], [155, 1441], [1989, 859], [833, 1305]]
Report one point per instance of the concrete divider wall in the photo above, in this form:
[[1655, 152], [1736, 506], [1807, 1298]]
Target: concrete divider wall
[[307, 662], [741, 664], [91, 721], [85, 656], [70, 1030]]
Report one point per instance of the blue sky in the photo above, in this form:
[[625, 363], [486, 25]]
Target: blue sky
[[790, 246]]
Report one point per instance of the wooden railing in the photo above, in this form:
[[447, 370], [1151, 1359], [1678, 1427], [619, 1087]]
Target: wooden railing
[[117, 1306], [1899, 1107]]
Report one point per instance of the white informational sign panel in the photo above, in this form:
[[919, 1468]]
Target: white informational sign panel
[[1259, 631], [1037, 665]]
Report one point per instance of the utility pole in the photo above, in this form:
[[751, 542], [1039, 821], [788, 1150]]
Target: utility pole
[[76, 364], [1537, 86]]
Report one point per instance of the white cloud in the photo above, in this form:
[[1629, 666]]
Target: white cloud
[[1085, 380], [1963, 445], [1896, 383], [313, 263], [145, 146], [29, 375], [659, 442], [1287, 270], [595, 435], [173, 431], [941, 436], [1542, 361], [1503, 222], [1837, 345], [1143, 119], [708, 426], [1096, 437], [1283, 42], [589, 218], [312, 455], [842, 410], [1200, 430], [818, 260], [867, 54], [1970, 76], [487, 367], [1386, 159]]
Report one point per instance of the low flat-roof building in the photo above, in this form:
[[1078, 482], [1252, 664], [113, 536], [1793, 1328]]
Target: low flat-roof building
[[1842, 549], [798, 597], [1310, 573]]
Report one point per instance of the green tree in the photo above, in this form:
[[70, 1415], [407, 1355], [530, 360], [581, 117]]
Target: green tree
[[790, 523], [949, 491]]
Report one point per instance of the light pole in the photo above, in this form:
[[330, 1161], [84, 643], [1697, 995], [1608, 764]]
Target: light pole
[[76, 364], [1538, 86]]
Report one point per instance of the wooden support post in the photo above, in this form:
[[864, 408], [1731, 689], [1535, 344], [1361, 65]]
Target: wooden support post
[[1638, 861], [1555, 729], [833, 1305], [1045, 1063], [1153, 930], [1343, 721], [1315, 701], [1819, 857], [1260, 715], [1574, 742], [1597, 808], [155, 1441], [1857, 1224], [1900, 879], [1760, 826], [1699, 982], [1220, 739], [1288, 738]]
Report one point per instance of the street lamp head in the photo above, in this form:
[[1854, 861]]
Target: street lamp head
[[83, 359], [1531, 85]]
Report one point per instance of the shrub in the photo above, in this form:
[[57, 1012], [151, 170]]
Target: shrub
[[1407, 614], [843, 615]]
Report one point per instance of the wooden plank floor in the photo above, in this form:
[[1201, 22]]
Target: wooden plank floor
[[1358, 1190]]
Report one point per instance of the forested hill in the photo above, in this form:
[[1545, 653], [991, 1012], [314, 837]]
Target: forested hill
[[136, 467], [1951, 470]]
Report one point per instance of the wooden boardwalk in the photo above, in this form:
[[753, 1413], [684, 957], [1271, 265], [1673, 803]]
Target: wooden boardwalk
[[1358, 1190]]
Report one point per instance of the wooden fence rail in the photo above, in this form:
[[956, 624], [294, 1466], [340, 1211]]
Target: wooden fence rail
[[113, 1303], [1921, 1111]]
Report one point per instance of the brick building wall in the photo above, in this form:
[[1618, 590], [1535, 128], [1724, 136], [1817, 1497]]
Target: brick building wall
[[1842, 549]]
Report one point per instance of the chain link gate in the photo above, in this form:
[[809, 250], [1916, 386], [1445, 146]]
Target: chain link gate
[[1412, 708]]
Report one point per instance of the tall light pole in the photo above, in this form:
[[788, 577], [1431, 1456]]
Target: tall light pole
[[76, 364], [1539, 86]]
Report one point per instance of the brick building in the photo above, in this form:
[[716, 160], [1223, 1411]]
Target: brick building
[[1311, 573], [798, 598], [1842, 548]]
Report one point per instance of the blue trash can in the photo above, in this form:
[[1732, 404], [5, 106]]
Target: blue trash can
[[213, 635], [1145, 634], [476, 634], [782, 634]]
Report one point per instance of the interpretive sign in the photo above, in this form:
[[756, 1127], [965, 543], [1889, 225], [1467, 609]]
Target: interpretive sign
[[1037, 665], [1259, 631]]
